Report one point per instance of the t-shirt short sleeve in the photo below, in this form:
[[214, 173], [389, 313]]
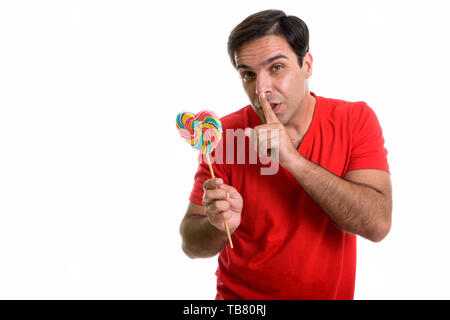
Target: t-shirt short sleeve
[[203, 173], [368, 151]]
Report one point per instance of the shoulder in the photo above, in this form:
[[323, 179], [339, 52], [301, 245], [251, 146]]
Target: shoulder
[[352, 111]]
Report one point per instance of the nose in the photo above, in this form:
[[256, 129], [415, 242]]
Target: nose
[[263, 84]]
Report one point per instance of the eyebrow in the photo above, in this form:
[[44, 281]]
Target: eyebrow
[[280, 56]]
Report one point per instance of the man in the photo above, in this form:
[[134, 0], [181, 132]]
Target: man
[[294, 232]]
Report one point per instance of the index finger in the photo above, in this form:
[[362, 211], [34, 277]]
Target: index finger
[[267, 109], [212, 184]]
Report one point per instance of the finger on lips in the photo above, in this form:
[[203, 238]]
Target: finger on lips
[[267, 109]]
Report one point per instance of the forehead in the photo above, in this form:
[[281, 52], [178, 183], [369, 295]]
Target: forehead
[[258, 50]]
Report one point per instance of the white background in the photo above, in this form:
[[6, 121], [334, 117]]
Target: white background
[[94, 179]]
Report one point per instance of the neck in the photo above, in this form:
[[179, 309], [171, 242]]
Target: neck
[[301, 121]]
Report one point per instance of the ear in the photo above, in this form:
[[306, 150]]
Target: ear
[[307, 65]]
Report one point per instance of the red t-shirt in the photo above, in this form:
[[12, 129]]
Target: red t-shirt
[[286, 247]]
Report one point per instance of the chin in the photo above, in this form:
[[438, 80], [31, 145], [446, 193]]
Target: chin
[[282, 120]]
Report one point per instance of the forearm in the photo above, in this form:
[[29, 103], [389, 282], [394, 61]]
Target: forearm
[[355, 208], [200, 239]]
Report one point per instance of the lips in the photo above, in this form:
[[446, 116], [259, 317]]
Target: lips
[[274, 105]]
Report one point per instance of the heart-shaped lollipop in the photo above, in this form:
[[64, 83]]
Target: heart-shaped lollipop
[[202, 131]]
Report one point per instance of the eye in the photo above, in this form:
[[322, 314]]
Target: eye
[[247, 75], [277, 67]]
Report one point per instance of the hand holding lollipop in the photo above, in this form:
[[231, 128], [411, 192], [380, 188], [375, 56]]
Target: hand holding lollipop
[[202, 131]]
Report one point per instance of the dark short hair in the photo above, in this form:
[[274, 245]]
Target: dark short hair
[[270, 22]]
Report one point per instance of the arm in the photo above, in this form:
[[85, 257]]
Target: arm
[[359, 203], [200, 239]]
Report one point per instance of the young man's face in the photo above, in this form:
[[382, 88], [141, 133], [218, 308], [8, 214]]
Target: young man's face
[[269, 65]]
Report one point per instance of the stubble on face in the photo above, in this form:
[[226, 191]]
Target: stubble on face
[[285, 86]]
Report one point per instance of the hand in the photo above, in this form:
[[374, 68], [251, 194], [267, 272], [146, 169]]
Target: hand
[[222, 203], [272, 139]]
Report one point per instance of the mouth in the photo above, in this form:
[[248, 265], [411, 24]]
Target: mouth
[[275, 106]]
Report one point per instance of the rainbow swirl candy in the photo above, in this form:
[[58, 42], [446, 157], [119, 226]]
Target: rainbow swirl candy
[[203, 130]]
